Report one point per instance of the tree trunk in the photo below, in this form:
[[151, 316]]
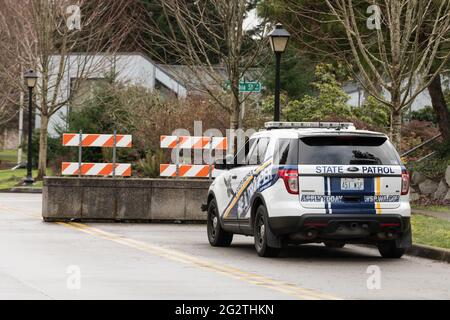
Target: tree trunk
[[440, 107], [396, 128], [234, 123], [234, 116], [235, 103], [43, 141]]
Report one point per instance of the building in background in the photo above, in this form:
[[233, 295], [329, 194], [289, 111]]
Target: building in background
[[358, 96], [130, 68]]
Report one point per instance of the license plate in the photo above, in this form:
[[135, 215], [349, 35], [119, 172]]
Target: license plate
[[352, 184]]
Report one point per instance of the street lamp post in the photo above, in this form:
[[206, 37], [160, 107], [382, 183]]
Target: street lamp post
[[278, 42], [30, 81]]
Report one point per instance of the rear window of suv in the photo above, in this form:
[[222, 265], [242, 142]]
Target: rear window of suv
[[347, 150]]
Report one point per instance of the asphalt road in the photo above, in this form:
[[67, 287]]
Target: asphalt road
[[41, 260]]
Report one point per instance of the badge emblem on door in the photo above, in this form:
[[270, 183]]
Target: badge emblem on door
[[353, 169], [230, 191]]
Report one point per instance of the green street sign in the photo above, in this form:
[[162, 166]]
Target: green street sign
[[252, 86]]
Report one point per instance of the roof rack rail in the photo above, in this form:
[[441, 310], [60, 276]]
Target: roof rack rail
[[303, 125]]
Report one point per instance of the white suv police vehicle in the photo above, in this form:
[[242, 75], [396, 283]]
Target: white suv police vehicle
[[308, 182]]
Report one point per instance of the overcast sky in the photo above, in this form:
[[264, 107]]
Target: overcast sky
[[251, 21]]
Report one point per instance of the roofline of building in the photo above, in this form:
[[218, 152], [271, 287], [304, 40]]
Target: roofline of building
[[124, 53]]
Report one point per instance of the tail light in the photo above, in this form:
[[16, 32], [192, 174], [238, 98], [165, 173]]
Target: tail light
[[405, 182], [290, 178]]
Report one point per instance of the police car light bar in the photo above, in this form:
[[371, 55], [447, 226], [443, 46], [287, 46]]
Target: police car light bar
[[302, 125]]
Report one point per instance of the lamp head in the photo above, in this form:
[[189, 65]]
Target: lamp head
[[30, 78], [279, 38]]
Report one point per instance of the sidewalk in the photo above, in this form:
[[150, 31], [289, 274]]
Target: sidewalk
[[434, 214]]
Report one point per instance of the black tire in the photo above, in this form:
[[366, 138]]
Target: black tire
[[216, 235], [334, 244], [260, 226], [389, 249]]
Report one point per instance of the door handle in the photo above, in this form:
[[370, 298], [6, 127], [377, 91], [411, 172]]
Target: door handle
[[233, 177]]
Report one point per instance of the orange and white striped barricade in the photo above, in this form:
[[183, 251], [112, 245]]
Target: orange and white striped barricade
[[81, 140], [96, 169], [188, 170], [97, 140], [190, 142], [185, 142]]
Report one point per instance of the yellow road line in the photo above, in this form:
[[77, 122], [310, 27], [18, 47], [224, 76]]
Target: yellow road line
[[30, 214], [177, 256], [235, 273]]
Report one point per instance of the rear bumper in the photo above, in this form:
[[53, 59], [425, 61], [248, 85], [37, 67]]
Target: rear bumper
[[316, 227]]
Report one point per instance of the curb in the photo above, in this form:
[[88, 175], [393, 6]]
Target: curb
[[125, 221], [21, 190], [428, 252]]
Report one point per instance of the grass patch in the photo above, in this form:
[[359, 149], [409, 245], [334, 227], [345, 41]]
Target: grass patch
[[431, 231], [8, 156], [437, 208], [11, 178]]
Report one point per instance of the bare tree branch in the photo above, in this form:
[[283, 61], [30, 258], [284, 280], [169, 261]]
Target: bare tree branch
[[213, 59], [38, 37], [402, 57]]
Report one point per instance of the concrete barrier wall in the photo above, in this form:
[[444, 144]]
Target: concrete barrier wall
[[102, 199]]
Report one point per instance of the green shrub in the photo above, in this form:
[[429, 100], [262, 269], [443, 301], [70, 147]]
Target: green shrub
[[55, 150], [425, 114], [331, 103], [149, 166], [373, 113], [331, 99]]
